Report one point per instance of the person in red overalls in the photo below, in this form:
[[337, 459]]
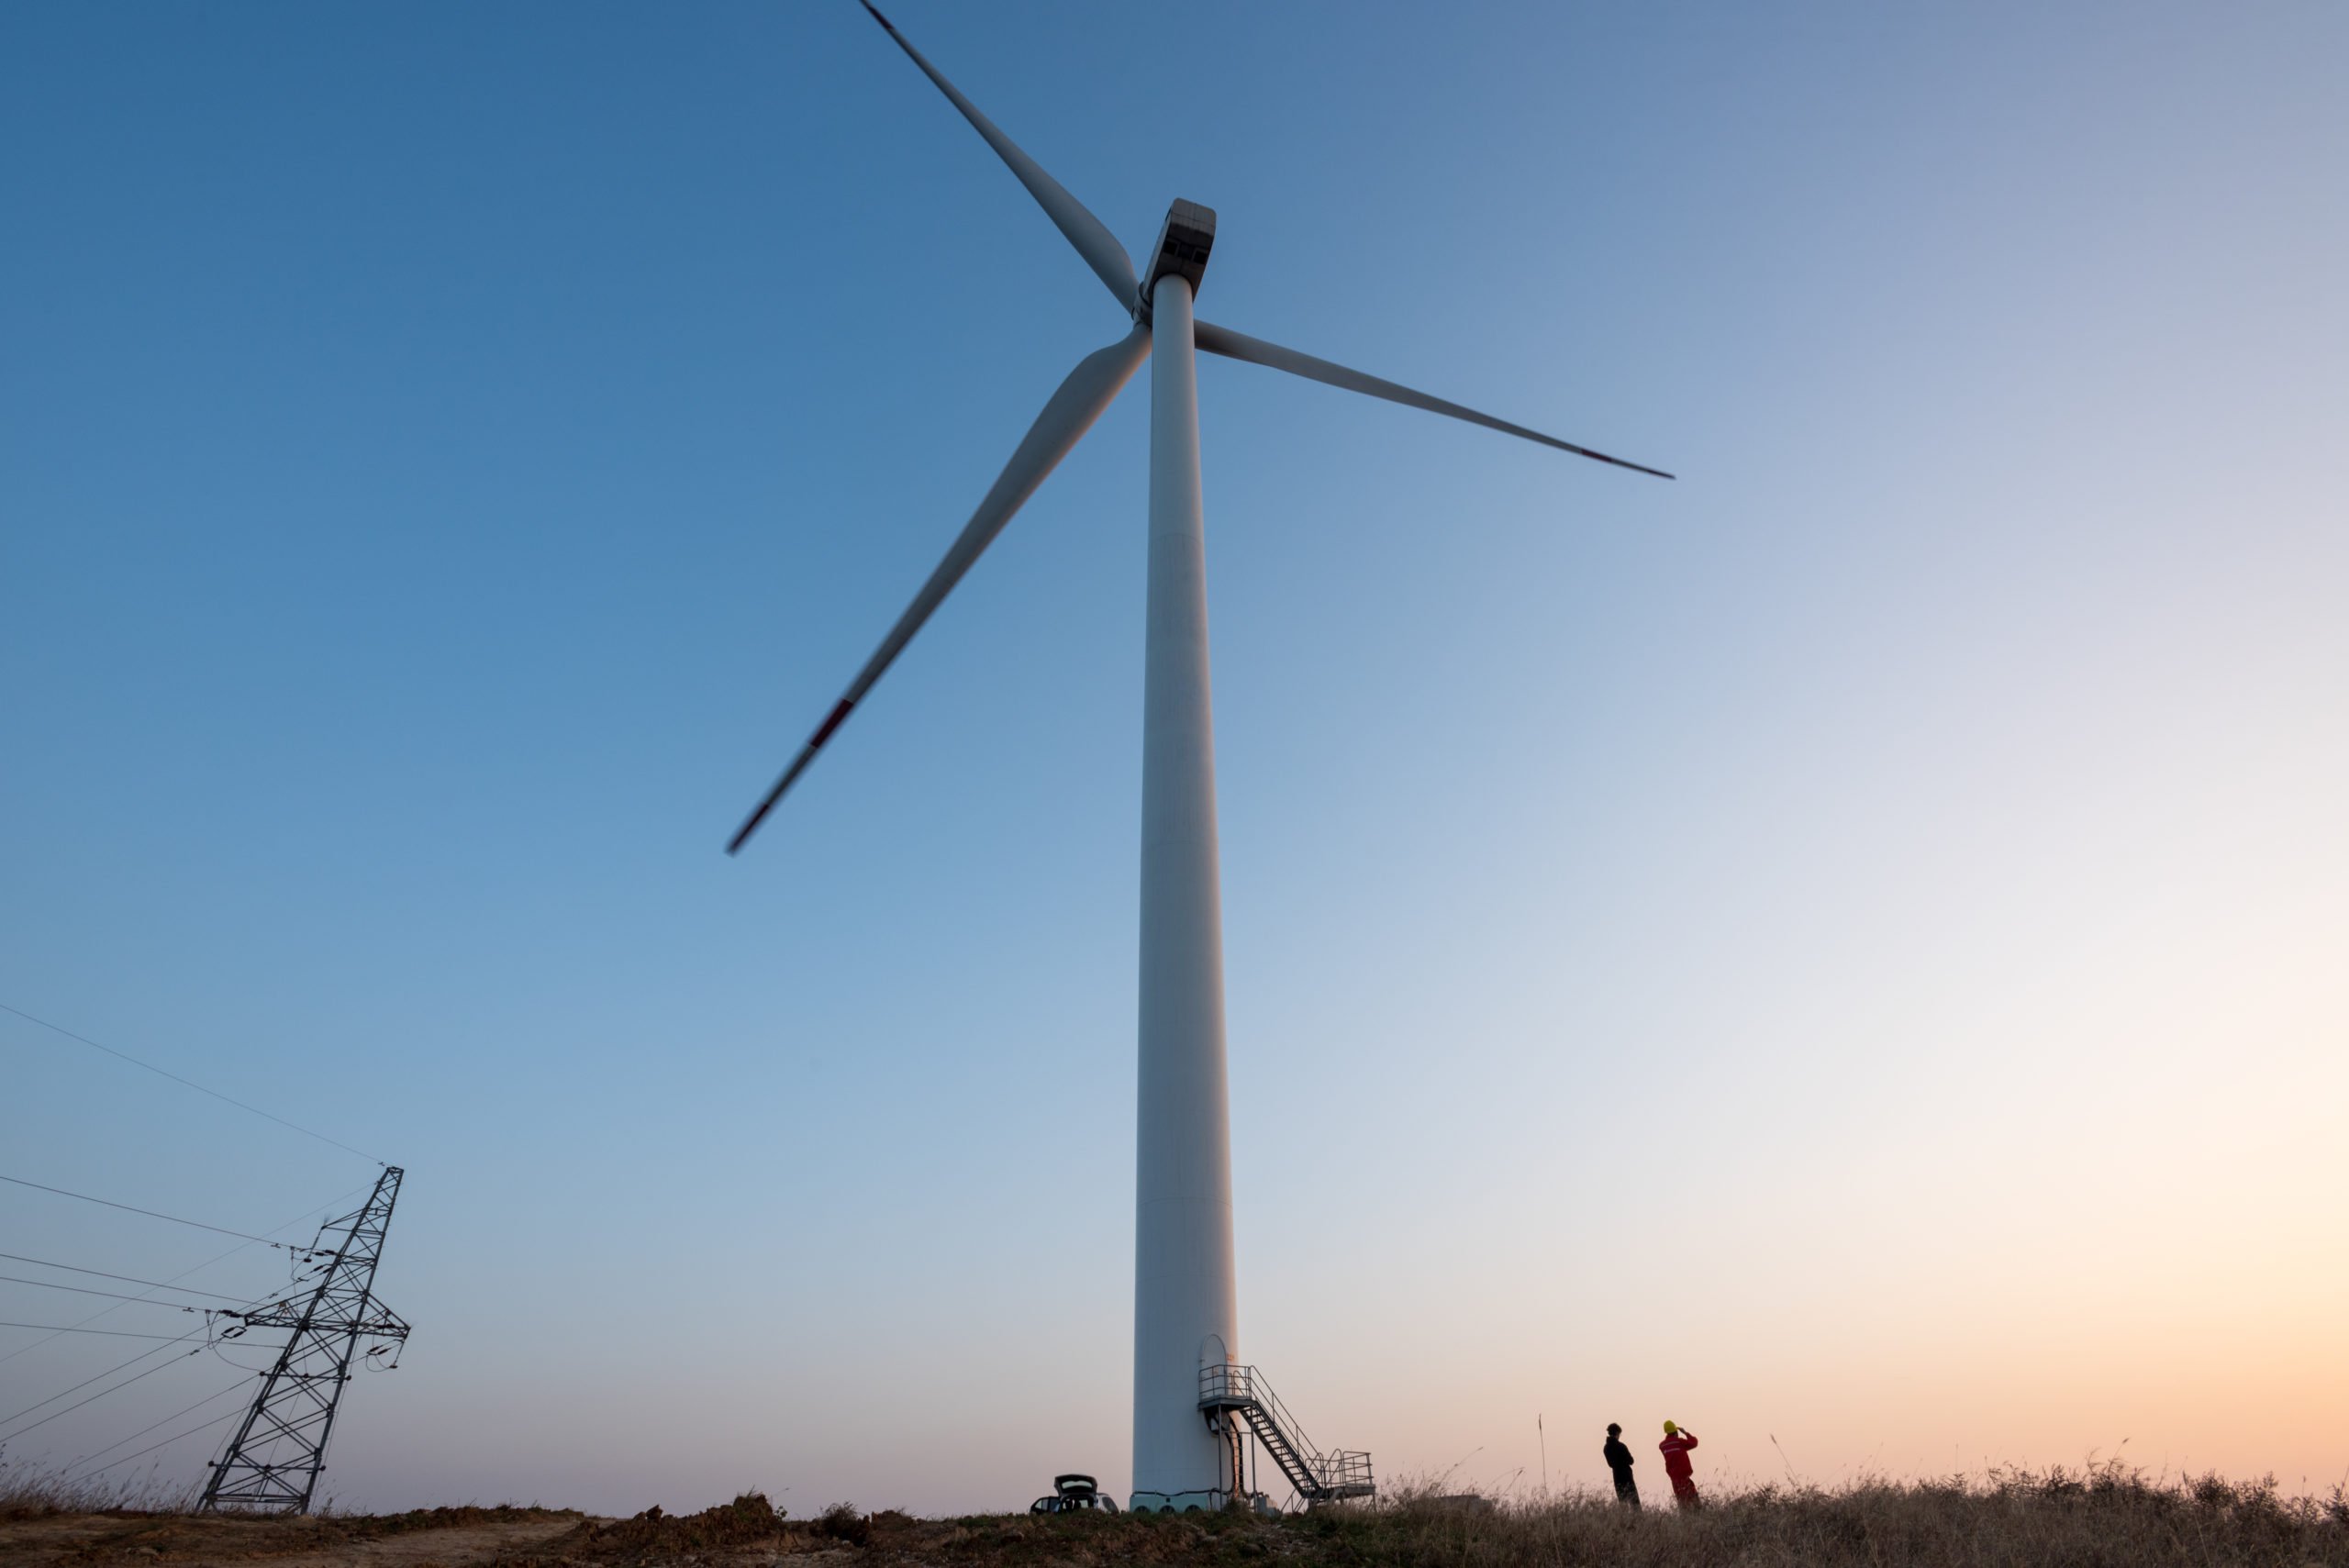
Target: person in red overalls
[[1675, 1445]]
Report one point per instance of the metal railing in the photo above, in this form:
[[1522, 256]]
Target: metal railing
[[1345, 1472], [1228, 1386]]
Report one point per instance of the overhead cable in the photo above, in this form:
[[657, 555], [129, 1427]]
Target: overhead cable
[[126, 1279], [152, 1214], [109, 1333], [102, 1393], [85, 1290], [175, 1078], [172, 1282], [167, 1442], [93, 1378], [151, 1426], [120, 1366]]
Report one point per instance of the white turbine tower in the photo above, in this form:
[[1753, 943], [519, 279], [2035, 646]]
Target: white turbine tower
[[1186, 1319]]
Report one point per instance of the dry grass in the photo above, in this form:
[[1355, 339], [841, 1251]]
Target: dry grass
[[2104, 1517], [30, 1494]]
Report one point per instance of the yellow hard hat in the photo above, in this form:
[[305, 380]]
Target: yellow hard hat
[[1669, 1428]]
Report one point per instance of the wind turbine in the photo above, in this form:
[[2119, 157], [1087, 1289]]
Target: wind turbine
[[1186, 1319]]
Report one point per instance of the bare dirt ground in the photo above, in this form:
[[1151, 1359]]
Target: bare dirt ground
[[438, 1538], [2108, 1518]]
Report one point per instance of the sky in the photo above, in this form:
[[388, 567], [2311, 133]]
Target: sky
[[1843, 950]]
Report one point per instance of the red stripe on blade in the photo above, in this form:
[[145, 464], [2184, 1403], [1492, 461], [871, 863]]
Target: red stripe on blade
[[824, 730]]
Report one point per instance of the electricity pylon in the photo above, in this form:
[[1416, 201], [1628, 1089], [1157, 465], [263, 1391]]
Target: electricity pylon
[[273, 1464]]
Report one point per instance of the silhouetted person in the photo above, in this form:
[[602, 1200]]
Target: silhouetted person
[[1619, 1460], [1675, 1446]]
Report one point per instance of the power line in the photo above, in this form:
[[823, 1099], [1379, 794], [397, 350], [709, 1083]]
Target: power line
[[153, 1425], [105, 1311], [249, 1302], [85, 1383], [118, 1366], [167, 1442], [151, 1214], [109, 1333], [102, 1393], [126, 1279], [331, 1205], [85, 1290], [175, 1078]]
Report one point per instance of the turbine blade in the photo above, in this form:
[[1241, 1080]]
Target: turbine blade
[[1088, 233], [1255, 351], [1089, 389]]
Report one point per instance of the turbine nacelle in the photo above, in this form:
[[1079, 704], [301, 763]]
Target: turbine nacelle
[[1184, 241]]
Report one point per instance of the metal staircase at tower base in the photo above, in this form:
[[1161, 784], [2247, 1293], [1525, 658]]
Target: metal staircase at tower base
[[1240, 1393]]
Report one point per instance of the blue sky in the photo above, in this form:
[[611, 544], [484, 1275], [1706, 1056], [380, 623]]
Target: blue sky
[[1844, 946]]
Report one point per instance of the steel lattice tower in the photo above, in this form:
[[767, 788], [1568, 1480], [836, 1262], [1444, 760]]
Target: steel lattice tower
[[273, 1464]]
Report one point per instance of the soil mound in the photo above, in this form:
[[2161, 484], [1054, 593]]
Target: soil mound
[[654, 1536]]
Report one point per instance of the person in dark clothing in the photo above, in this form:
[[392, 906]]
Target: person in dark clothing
[[1619, 1460]]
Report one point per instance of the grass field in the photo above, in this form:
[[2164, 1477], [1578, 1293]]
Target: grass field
[[2107, 1515]]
